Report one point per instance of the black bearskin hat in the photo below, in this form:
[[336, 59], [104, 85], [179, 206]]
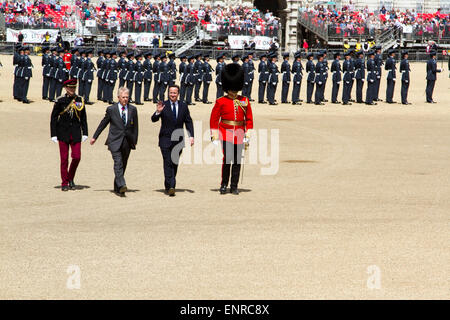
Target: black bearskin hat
[[232, 77]]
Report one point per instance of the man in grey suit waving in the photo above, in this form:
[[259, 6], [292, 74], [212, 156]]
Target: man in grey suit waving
[[123, 135], [174, 114]]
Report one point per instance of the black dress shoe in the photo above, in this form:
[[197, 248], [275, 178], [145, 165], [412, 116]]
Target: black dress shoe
[[198, 100], [371, 104], [89, 103], [139, 103], [391, 102], [191, 104], [110, 102], [147, 100], [223, 189], [234, 191], [300, 100], [207, 102], [325, 100], [406, 103], [351, 100], [319, 104], [273, 104], [171, 192], [43, 98], [123, 189], [346, 103], [72, 185], [64, 188], [262, 102], [296, 103], [251, 100], [335, 102], [26, 101]]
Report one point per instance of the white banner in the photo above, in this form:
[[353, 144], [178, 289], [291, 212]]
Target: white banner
[[211, 27], [407, 29], [141, 39], [261, 43], [31, 36], [90, 23]]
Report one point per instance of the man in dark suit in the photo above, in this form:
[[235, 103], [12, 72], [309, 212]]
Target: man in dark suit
[[431, 76], [123, 135], [174, 114]]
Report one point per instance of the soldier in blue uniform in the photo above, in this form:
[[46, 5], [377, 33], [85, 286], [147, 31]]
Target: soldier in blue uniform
[[352, 62], [148, 74], [378, 59], [324, 73], [25, 75], [81, 72], [45, 72], [297, 71], [111, 77], [219, 67], [251, 74], [207, 78], [263, 71], [156, 62], [88, 76], [319, 80], [273, 80], [347, 67], [404, 69], [106, 67], [431, 76], [100, 68], [391, 76], [61, 73], [360, 76], [311, 71], [17, 53], [73, 73], [198, 73], [51, 72], [172, 70], [138, 79], [183, 75], [371, 79], [164, 77], [246, 69], [122, 68], [130, 74], [336, 77], [235, 58], [190, 80], [285, 78]]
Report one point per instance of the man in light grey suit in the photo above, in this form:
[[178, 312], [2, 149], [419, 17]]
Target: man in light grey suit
[[123, 135]]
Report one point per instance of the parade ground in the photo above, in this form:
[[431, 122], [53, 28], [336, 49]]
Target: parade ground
[[357, 206]]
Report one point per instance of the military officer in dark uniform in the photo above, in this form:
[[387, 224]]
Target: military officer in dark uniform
[[122, 68], [81, 72], [336, 77], [273, 80], [17, 53], [352, 63], [190, 80], [207, 78], [198, 73], [235, 58], [138, 79], [347, 67], [156, 62], [182, 70], [263, 71], [378, 59], [219, 67], [25, 75], [431, 76], [68, 128], [61, 73], [100, 68], [88, 76], [371, 79], [111, 77], [360, 76], [164, 77], [319, 80], [405, 70], [130, 74], [45, 72], [285, 77], [297, 71], [148, 74], [53, 65], [246, 69], [251, 75], [324, 73], [172, 69], [391, 76], [310, 78], [74, 63]]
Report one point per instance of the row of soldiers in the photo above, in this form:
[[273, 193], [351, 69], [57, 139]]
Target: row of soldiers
[[22, 73]]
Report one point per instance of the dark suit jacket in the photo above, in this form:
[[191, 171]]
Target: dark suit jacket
[[168, 125], [117, 130]]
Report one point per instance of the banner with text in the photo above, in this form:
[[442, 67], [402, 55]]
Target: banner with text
[[142, 39], [237, 42], [31, 36]]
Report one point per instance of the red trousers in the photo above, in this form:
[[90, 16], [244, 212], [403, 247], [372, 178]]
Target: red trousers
[[66, 176]]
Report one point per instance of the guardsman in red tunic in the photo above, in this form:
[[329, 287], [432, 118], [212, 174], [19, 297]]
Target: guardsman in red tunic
[[231, 122], [68, 128]]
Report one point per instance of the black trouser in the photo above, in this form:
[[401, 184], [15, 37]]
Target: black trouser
[[80, 87], [261, 91], [334, 91], [52, 89], [130, 84], [296, 91], [15, 87], [23, 90], [430, 89], [87, 90], [100, 89], [162, 90], [170, 166], [111, 85], [45, 87], [323, 89], [377, 88], [183, 91], [219, 91], [137, 91], [205, 91], [121, 82], [147, 84], [284, 91], [189, 90], [371, 91], [120, 158], [309, 91], [404, 91], [346, 91], [250, 85], [197, 89], [390, 90], [318, 95], [232, 153], [350, 91], [271, 89], [245, 90], [58, 88], [156, 91], [359, 90]]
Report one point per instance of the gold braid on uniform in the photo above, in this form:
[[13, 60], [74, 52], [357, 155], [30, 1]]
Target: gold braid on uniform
[[243, 105], [74, 107]]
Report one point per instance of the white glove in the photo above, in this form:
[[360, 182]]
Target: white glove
[[216, 142], [55, 139], [84, 138]]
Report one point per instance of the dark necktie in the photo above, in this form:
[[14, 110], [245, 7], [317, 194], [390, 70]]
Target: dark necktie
[[174, 112], [124, 116]]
